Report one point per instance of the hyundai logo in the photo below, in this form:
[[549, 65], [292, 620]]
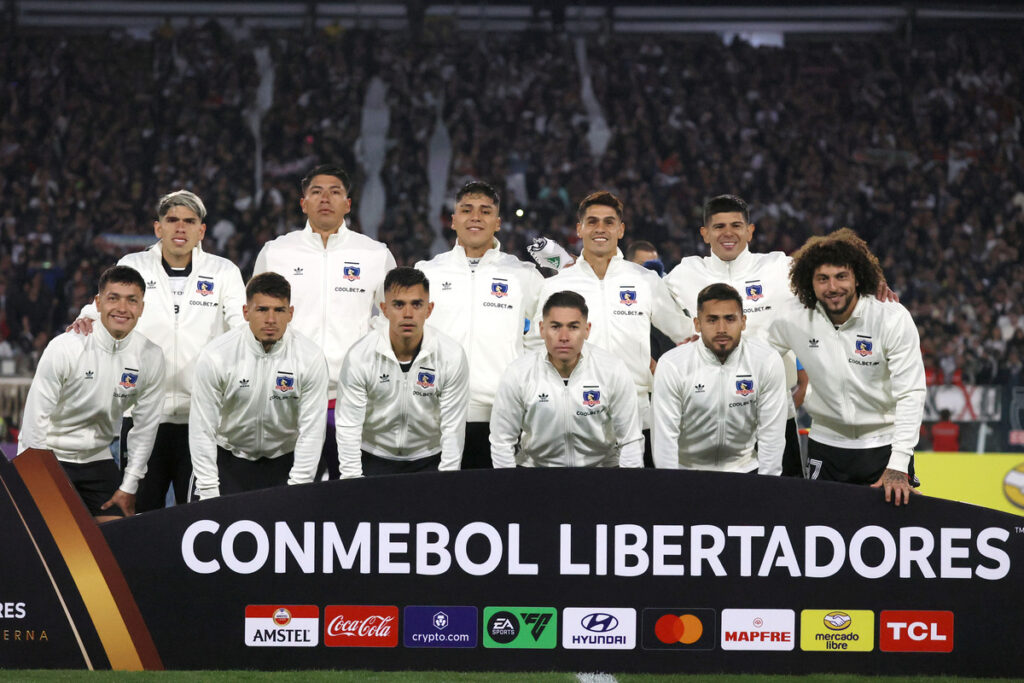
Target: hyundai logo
[[599, 622]]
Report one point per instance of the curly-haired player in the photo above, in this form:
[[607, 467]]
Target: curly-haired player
[[863, 359]]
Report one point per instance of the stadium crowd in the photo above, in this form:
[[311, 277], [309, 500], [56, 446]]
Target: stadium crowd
[[915, 144]]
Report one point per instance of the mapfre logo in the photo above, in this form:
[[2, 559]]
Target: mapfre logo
[[758, 629], [361, 626], [915, 631]]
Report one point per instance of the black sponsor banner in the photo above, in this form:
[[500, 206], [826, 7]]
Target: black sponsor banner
[[43, 621], [639, 570]]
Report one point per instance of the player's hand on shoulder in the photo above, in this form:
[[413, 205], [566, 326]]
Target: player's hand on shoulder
[[81, 326]]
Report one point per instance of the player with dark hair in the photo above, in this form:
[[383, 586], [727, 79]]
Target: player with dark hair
[[192, 297], [403, 390], [569, 404], [863, 359], [714, 400], [625, 299], [761, 279], [337, 277], [82, 386], [258, 400], [482, 298]]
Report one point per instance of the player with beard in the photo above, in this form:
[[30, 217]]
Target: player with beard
[[714, 400], [863, 359]]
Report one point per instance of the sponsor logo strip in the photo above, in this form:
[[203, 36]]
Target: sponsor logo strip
[[758, 629], [598, 628], [521, 627], [282, 625], [823, 630], [440, 626], [361, 626], [915, 631]]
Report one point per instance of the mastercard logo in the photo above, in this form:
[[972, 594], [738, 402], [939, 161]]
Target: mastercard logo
[[685, 628]]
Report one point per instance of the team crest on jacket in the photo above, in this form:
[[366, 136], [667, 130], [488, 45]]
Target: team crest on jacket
[[744, 387], [627, 296], [425, 379], [499, 288], [591, 397], [204, 287], [755, 291], [862, 347], [284, 382], [350, 272], [128, 378]]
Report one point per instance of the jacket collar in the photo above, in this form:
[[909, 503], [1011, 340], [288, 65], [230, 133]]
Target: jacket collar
[[711, 359], [106, 342], [581, 363], [335, 240], [726, 268], [257, 348], [459, 252], [859, 310], [427, 347], [616, 261], [156, 253]]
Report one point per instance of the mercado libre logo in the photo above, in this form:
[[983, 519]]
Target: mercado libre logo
[[848, 630], [681, 628]]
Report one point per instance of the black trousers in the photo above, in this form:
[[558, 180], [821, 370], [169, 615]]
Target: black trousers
[[95, 483], [374, 466], [170, 463], [477, 453], [791, 463], [238, 475]]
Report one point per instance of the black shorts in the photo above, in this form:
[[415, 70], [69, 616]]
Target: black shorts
[[850, 465], [95, 482], [373, 466]]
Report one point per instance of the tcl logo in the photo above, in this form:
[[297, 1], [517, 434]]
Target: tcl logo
[[916, 631], [361, 626]]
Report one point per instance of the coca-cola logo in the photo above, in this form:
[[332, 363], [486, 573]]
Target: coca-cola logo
[[361, 626], [376, 625]]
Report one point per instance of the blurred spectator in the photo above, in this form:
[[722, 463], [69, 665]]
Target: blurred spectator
[[945, 434]]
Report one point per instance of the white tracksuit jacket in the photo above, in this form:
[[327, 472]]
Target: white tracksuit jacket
[[83, 384], [258, 404], [212, 304], [623, 306], [484, 310], [334, 289], [399, 415], [867, 376], [762, 281], [707, 415], [591, 422]]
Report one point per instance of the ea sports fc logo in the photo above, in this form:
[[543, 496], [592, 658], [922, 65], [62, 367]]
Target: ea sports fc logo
[[1013, 485]]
